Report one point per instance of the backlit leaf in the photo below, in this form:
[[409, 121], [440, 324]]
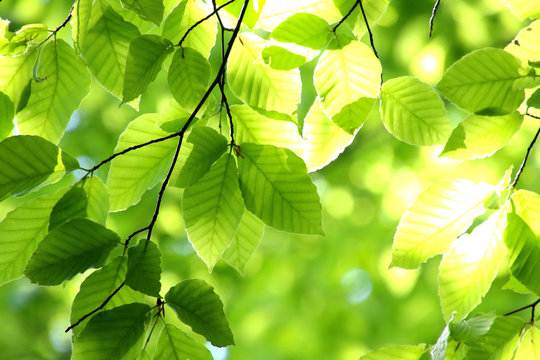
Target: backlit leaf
[[524, 8], [98, 199], [403, 352], [7, 111], [144, 268], [526, 45], [374, 10], [275, 12], [174, 344], [529, 347], [303, 29], [527, 206], [499, 342], [151, 10], [71, 206], [281, 59], [16, 74]]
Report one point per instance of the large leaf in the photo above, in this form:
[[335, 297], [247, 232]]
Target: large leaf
[[151, 10], [80, 19], [112, 334], [203, 147], [471, 265], [25, 162], [275, 12], [212, 210], [524, 8], [303, 29], [345, 76], [144, 268], [97, 287], [245, 241], [98, 199], [133, 173], [527, 206], [434, 220], [7, 111], [68, 250], [250, 126], [277, 189], [256, 83], [62, 82], [479, 136], [374, 10], [20, 232], [524, 252], [188, 77], [403, 352], [481, 82], [184, 16], [144, 61], [16, 74], [526, 45], [500, 340], [174, 344], [198, 306], [413, 112], [71, 206], [105, 48]]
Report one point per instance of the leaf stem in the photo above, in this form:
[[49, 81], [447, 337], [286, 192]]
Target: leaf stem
[[432, 18], [524, 162], [371, 41], [531, 306], [346, 15], [63, 24]]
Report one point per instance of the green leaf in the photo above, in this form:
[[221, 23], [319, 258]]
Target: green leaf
[[403, 352], [203, 147], [245, 242], [16, 74], [481, 82], [480, 136], [516, 286], [251, 126], [212, 209], [20, 41], [98, 199], [524, 252], [303, 29], [534, 100], [256, 83], [97, 287], [105, 49], [20, 232], [133, 173], [529, 347], [468, 269], [151, 10], [62, 82], [344, 76], [25, 162], [174, 344], [277, 189], [413, 112], [68, 250], [470, 330], [527, 206], [352, 116], [524, 8], [112, 334], [276, 12], [7, 111], [499, 340], [526, 45], [144, 61], [198, 306], [253, 10], [374, 10], [188, 77], [71, 206], [324, 140], [434, 220], [438, 351], [144, 268], [80, 19], [184, 16], [281, 59]]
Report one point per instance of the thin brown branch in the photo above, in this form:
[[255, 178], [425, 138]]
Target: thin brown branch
[[371, 41], [63, 24], [524, 162], [346, 16], [432, 18], [530, 306]]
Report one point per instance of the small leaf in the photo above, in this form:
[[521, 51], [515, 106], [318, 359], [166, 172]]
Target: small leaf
[[144, 268], [277, 189], [198, 306], [470, 330], [303, 29], [112, 334], [7, 111], [481, 82], [436, 218], [68, 250], [71, 206], [174, 344], [413, 112], [212, 210], [144, 61], [188, 78], [282, 59], [403, 352], [480, 136], [352, 116], [151, 10]]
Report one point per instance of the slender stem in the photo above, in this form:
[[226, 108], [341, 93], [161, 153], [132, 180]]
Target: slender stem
[[432, 18], [531, 306], [346, 16], [524, 162], [64, 23], [368, 29], [533, 116]]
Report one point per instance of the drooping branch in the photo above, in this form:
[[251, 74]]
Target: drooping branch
[[524, 162], [432, 18]]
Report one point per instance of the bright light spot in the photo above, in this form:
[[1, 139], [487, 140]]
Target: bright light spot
[[429, 63], [339, 202], [217, 352], [358, 285]]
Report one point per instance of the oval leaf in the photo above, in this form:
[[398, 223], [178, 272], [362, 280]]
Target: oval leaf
[[174, 344], [72, 205], [144, 268], [303, 29]]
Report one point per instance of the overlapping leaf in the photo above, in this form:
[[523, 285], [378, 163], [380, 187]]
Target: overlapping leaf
[[62, 82], [303, 29], [281, 59], [133, 173], [374, 10], [80, 19], [527, 206], [403, 352], [174, 344], [471, 265], [526, 45], [144, 268], [112, 334], [479, 136], [468, 331], [98, 200], [198, 306], [252, 12], [151, 10], [500, 340], [212, 210], [16, 74], [68, 250], [277, 189], [524, 8], [275, 12], [7, 111], [434, 220], [71, 206], [413, 112], [529, 347], [481, 82]]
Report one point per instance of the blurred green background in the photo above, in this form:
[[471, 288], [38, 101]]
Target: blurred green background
[[302, 297]]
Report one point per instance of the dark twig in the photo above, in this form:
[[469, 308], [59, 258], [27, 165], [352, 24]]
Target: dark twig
[[203, 20], [346, 16], [103, 304], [524, 162], [368, 29], [533, 116], [530, 306], [64, 23], [432, 18]]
